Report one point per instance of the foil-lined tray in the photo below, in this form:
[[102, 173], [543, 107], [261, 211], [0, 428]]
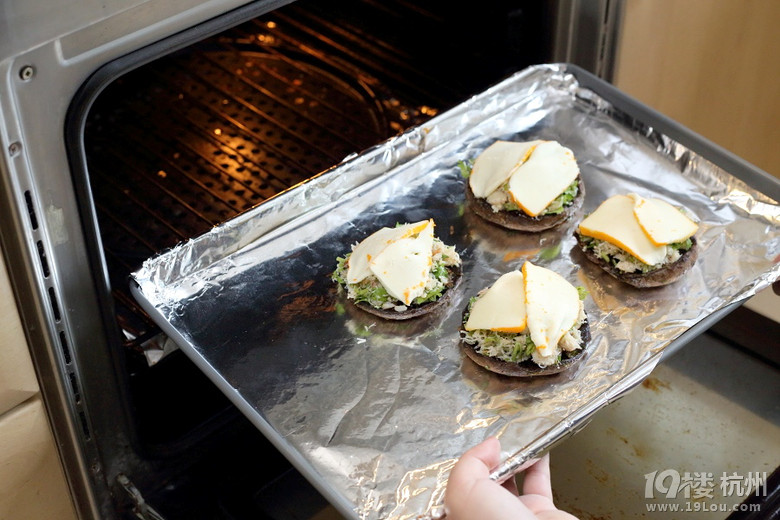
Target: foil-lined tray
[[376, 413]]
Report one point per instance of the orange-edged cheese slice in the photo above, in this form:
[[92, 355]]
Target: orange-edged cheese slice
[[552, 307], [501, 307], [545, 175], [496, 164], [359, 263], [404, 265], [614, 221], [662, 223]]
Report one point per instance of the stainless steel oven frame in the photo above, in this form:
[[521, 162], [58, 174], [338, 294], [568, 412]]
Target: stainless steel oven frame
[[43, 239]]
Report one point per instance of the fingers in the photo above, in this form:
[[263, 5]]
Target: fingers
[[537, 479], [475, 464], [511, 486], [472, 494], [537, 492], [488, 452]]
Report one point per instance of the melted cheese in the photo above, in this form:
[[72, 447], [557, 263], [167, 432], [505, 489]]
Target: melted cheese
[[661, 222], [359, 264], [404, 265], [614, 222], [552, 308], [496, 164], [501, 307], [545, 175]]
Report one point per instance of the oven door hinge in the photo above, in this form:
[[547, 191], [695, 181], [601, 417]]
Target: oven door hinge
[[141, 509], [586, 33]]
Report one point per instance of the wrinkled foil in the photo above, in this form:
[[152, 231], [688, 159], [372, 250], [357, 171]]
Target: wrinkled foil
[[376, 413]]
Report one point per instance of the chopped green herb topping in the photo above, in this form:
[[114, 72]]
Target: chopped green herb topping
[[465, 168]]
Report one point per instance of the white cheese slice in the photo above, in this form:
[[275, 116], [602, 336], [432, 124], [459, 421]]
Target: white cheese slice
[[662, 223], [614, 222], [501, 307], [545, 175], [495, 165], [404, 265], [552, 306], [358, 265]]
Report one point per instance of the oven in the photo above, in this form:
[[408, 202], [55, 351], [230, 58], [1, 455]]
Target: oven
[[131, 127]]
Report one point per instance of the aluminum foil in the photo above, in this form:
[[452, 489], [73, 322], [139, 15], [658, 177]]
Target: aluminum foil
[[375, 413]]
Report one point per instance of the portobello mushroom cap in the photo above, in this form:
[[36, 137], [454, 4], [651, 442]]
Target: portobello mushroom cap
[[528, 368], [656, 278], [413, 311], [519, 220]]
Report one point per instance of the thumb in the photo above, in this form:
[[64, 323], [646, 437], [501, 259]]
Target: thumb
[[472, 494]]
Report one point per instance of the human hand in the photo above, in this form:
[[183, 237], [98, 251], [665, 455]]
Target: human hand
[[472, 495]]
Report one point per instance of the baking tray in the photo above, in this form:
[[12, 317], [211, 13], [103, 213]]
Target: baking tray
[[374, 413]]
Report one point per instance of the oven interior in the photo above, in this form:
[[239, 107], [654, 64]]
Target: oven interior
[[195, 137]]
